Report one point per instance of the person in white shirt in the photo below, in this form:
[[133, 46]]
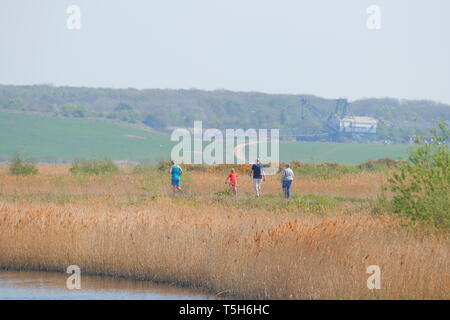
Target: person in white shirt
[[287, 176]]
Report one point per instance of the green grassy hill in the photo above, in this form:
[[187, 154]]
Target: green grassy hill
[[48, 138], [53, 138]]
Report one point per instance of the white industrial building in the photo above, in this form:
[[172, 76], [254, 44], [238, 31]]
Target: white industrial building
[[355, 124]]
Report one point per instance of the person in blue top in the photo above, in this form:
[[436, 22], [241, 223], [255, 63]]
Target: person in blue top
[[175, 173]]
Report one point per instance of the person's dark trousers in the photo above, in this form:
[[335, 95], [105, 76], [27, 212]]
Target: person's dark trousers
[[287, 188]]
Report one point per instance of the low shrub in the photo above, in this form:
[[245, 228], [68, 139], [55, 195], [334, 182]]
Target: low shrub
[[321, 171], [97, 167], [21, 167], [421, 186], [383, 164]]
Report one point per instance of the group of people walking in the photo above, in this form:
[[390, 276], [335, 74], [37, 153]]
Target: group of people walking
[[257, 174]]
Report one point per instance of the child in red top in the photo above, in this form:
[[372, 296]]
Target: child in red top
[[232, 180]]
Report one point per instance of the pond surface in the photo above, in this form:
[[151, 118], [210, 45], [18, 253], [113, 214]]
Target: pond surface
[[48, 286]]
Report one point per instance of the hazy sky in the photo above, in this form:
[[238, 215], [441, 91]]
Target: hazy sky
[[320, 47]]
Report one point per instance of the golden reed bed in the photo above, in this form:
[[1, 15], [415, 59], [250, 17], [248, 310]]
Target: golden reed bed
[[113, 225]]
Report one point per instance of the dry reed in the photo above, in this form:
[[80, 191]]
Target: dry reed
[[255, 252]]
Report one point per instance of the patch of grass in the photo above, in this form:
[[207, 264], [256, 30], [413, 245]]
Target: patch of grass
[[144, 168], [142, 200], [225, 192], [350, 199], [21, 167], [61, 199], [317, 204], [97, 167]]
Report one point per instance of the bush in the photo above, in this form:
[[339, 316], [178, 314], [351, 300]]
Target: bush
[[321, 171], [20, 167], [421, 187], [335, 170], [383, 164], [163, 164], [94, 167]]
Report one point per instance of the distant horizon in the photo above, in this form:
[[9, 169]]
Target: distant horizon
[[229, 90]]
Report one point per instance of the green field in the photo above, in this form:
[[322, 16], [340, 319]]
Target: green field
[[49, 138], [45, 137], [348, 153]]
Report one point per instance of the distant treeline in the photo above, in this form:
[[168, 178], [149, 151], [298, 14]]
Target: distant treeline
[[163, 109]]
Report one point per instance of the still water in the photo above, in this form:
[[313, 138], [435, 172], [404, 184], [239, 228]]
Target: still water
[[48, 285]]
